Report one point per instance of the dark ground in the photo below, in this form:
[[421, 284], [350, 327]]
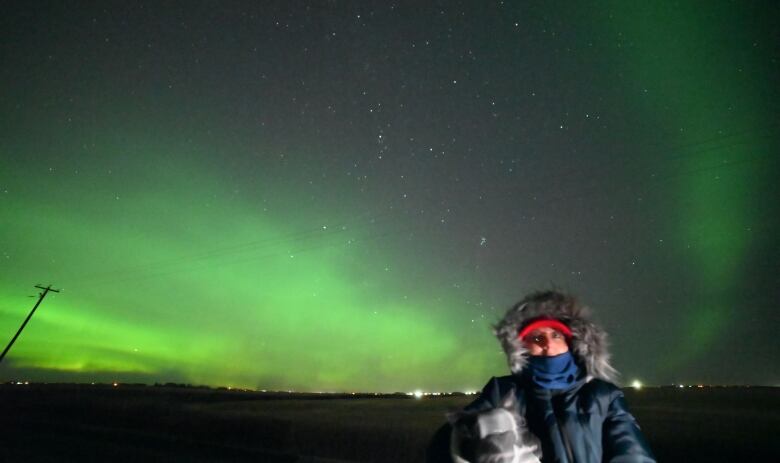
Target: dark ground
[[132, 423]]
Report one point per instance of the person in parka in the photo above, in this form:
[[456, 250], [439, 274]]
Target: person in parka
[[562, 386]]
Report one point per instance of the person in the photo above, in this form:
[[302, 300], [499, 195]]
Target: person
[[562, 387]]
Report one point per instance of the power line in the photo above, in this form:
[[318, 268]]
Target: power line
[[318, 237]]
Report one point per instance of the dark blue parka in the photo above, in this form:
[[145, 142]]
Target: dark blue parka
[[588, 422]]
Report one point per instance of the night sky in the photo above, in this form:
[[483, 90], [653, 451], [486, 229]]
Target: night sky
[[343, 196]]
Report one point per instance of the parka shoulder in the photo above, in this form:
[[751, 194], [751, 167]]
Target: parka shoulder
[[496, 388]]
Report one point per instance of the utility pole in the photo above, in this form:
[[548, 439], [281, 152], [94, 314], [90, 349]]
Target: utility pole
[[40, 298]]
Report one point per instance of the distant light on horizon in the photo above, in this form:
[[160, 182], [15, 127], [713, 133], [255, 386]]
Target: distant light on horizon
[[636, 384]]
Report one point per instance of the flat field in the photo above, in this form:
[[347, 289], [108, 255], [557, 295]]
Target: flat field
[[137, 423]]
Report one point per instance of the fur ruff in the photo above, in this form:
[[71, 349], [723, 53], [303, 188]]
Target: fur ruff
[[588, 344]]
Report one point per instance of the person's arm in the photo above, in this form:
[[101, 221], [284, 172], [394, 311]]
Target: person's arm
[[623, 441], [504, 436]]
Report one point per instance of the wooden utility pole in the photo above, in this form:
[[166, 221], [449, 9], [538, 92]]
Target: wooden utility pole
[[40, 298]]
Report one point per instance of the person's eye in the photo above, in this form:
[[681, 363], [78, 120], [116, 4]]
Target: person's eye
[[556, 335]]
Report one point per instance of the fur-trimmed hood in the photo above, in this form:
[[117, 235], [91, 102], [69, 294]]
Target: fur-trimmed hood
[[588, 343]]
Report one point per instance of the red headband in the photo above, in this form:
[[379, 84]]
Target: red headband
[[548, 322]]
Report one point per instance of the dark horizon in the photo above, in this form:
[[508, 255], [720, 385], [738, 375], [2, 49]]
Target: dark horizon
[[360, 394]]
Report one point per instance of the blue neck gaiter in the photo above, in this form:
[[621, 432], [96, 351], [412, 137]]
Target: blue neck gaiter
[[557, 372]]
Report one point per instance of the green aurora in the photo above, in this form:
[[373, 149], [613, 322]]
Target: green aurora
[[272, 209], [687, 62], [190, 284]]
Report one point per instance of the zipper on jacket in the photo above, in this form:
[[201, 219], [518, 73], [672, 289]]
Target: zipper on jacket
[[562, 432], [565, 439]]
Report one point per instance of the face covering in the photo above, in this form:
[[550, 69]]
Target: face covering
[[556, 372]]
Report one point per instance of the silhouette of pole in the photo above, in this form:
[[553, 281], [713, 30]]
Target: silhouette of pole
[[40, 298]]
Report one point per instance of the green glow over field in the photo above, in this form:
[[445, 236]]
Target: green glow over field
[[686, 62]]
